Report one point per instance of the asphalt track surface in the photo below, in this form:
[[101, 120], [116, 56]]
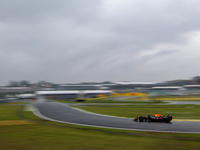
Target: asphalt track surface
[[184, 102], [60, 112]]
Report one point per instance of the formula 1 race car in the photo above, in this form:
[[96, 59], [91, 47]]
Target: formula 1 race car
[[154, 118]]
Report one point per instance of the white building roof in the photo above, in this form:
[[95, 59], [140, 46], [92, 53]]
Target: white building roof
[[132, 83], [167, 87], [80, 85], [73, 92], [25, 95], [191, 86]]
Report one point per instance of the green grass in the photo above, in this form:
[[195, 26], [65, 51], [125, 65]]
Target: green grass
[[14, 103], [172, 97], [152, 99], [42, 137], [105, 100], [46, 137], [177, 111], [179, 96], [9, 113]]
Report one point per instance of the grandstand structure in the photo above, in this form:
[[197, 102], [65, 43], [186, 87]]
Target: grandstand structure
[[131, 85], [93, 89], [79, 87], [192, 87], [73, 94], [165, 89]]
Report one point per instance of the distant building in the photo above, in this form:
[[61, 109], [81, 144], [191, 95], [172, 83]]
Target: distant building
[[177, 82], [192, 87], [17, 89], [131, 85], [164, 90], [73, 94], [78, 87]]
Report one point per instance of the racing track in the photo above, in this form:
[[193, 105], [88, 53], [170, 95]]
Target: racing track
[[63, 113]]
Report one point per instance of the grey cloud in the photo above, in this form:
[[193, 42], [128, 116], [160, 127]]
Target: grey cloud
[[155, 21], [71, 41], [34, 11]]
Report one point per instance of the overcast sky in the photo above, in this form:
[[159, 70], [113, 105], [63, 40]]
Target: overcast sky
[[71, 41]]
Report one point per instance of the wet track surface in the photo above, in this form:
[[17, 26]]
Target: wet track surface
[[184, 102], [64, 113]]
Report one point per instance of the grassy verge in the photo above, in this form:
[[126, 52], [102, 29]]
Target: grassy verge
[[9, 113], [105, 100], [176, 98], [189, 111], [173, 96], [42, 137], [51, 137], [14, 103]]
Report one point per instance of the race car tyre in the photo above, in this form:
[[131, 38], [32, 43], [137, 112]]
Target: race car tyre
[[170, 117], [149, 118], [167, 120], [141, 119]]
